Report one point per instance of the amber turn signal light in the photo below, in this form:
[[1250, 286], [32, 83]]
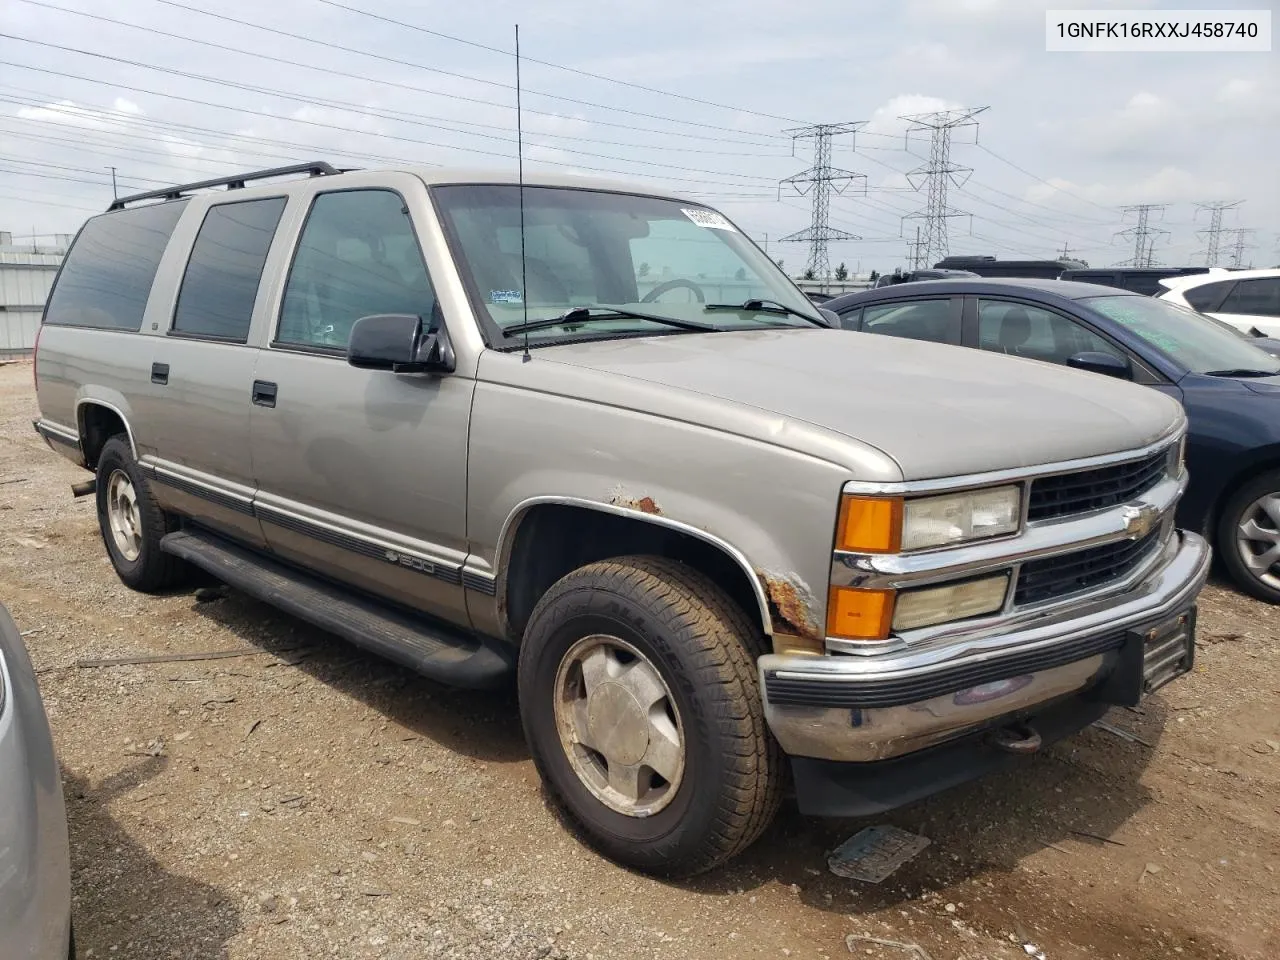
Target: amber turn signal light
[[870, 525], [854, 614]]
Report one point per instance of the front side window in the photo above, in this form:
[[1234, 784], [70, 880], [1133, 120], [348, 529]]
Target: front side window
[[934, 320], [221, 281], [1197, 343], [1022, 330], [1258, 298], [107, 277], [357, 256], [614, 254]]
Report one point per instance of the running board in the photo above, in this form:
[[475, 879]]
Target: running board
[[437, 651]]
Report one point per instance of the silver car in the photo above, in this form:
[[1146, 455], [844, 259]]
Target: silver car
[[592, 440], [35, 865]]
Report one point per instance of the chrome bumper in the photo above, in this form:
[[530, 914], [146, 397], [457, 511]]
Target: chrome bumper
[[865, 708]]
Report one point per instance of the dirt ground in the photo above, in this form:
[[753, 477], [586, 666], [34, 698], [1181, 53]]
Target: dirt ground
[[313, 801]]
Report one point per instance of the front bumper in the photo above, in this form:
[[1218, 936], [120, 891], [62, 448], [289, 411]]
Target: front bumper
[[872, 708], [35, 866]]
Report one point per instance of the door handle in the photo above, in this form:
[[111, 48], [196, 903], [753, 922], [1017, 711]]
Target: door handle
[[159, 373], [264, 393]]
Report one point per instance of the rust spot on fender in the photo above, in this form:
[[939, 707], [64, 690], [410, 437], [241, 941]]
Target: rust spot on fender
[[646, 504], [791, 604]]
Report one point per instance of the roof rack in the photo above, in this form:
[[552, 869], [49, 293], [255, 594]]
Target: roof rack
[[316, 169]]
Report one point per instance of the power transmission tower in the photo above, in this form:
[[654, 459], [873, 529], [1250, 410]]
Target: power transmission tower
[[1241, 245], [938, 172], [1213, 234], [915, 252], [822, 179], [1143, 233]]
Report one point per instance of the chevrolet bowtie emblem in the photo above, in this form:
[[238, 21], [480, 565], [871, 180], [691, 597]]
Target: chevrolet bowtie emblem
[[1140, 520]]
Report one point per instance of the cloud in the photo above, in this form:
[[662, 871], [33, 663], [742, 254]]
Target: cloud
[[1165, 185]]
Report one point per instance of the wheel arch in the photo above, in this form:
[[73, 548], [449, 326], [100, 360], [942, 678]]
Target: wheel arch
[[546, 537], [97, 421], [1263, 460]]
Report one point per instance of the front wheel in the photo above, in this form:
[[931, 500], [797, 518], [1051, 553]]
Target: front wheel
[[1249, 536], [639, 699]]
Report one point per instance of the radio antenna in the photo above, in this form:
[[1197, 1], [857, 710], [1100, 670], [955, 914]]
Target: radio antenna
[[524, 281]]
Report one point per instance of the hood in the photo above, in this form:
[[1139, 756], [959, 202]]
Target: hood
[[936, 410], [1268, 386]]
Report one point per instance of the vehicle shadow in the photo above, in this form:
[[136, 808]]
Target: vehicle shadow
[[125, 903], [483, 725], [1079, 793]]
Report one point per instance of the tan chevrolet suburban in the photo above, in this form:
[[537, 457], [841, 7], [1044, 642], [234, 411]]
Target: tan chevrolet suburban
[[590, 438]]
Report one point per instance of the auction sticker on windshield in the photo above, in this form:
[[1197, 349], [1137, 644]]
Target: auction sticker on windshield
[[708, 218]]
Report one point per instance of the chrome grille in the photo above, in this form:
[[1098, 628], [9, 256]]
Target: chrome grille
[[1069, 493], [1052, 578]]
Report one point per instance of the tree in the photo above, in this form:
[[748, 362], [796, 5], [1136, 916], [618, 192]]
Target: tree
[[875, 275], [741, 274], [779, 263], [842, 272], [644, 270], [809, 274]]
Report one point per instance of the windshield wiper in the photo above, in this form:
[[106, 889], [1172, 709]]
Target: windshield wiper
[[766, 306], [586, 314], [1243, 372]]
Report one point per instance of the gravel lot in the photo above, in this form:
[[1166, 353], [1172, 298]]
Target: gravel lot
[[312, 801]]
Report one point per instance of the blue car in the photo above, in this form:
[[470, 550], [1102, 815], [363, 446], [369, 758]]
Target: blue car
[[1229, 387]]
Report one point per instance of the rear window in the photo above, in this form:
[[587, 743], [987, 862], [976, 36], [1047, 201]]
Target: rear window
[[222, 276], [1206, 297], [108, 273]]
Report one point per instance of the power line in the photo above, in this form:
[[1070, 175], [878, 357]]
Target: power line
[[546, 63], [1047, 183], [1213, 234], [821, 178], [937, 173], [1143, 233], [1242, 243], [330, 71]]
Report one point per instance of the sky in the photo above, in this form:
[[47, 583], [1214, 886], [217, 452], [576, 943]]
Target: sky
[[695, 98]]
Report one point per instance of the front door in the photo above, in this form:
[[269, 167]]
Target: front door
[[362, 474]]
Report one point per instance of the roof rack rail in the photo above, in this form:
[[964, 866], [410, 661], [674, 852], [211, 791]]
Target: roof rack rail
[[316, 169]]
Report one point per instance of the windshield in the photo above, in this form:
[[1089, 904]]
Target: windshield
[[1188, 338], [589, 248]]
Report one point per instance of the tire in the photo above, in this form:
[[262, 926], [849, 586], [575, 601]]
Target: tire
[[148, 570], [1242, 506], [703, 648]]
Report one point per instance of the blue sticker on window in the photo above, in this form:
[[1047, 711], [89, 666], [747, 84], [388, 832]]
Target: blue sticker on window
[[505, 296]]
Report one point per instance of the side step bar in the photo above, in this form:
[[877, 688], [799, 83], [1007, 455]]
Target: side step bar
[[434, 650]]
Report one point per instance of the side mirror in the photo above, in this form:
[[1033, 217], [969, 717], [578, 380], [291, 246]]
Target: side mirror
[[832, 318], [396, 342], [1104, 363]]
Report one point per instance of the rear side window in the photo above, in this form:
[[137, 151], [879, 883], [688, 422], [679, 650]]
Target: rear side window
[[1259, 298], [225, 268], [1206, 297], [107, 277], [935, 320]]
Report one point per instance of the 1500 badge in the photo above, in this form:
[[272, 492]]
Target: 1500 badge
[[413, 563]]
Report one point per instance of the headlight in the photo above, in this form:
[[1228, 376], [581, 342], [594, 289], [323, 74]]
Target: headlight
[[954, 601], [960, 517], [889, 524]]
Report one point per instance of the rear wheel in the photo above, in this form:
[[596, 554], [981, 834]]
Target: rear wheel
[[132, 523], [640, 702], [1249, 536]]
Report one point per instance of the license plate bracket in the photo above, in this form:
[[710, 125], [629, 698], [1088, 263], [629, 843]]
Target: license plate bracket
[[1152, 654]]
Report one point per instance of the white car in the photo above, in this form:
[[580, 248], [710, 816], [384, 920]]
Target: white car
[[1249, 300]]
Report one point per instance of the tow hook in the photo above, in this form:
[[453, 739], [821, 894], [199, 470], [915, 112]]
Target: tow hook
[[1016, 738], [84, 489]]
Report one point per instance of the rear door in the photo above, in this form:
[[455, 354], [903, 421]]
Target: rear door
[[202, 371], [362, 473]]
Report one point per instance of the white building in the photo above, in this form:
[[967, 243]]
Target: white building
[[26, 275]]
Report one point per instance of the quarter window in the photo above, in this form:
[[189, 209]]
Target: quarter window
[[357, 256], [1207, 296], [107, 277], [934, 320], [221, 281], [1259, 298], [1022, 330]]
